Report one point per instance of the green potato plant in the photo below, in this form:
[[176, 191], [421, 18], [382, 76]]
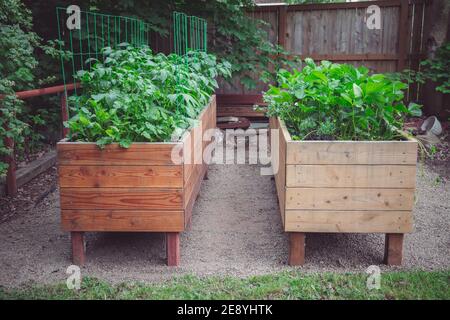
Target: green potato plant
[[134, 95], [333, 101]]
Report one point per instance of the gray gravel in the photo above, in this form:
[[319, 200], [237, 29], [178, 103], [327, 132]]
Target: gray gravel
[[236, 230]]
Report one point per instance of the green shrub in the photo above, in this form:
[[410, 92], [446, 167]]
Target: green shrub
[[17, 63], [137, 96], [19, 71], [438, 68], [339, 102]]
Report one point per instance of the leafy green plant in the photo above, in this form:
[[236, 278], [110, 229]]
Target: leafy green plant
[[234, 33], [135, 95], [339, 102], [18, 66], [43, 119], [438, 68]]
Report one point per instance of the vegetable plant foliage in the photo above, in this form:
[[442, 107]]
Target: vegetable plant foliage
[[137, 96], [339, 102]]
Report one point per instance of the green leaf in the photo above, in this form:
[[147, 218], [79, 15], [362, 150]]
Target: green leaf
[[125, 143], [310, 62], [415, 109], [357, 91]]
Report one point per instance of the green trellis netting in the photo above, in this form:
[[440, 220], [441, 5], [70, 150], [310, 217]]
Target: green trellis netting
[[189, 33], [97, 31]]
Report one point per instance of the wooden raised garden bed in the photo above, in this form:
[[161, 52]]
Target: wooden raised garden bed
[[139, 189], [345, 186]]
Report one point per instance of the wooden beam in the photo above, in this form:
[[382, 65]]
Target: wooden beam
[[402, 35], [393, 251], [78, 250], [173, 248], [351, 57], [265, 8], [32, 170], [282, 24], [239, 99], [45, 91], [122, 220], [329, 6], [420, 2], [347, 57], [345, 5], [241, 111], [296, 248]]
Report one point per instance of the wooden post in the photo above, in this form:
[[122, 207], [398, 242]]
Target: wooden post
[[296, 248], [173, 248], [393, 251], [402, 35], [64, 113], [282, 10], [78, 251], [434, 103]]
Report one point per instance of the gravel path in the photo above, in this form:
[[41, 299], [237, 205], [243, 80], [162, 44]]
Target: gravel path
[[236, 230]]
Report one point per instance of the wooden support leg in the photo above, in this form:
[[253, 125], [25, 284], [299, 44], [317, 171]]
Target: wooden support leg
[[78, 252], [393, 250], [296, 248], [173, 248]]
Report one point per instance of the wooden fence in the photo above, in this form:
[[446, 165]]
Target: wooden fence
[[339, 32]]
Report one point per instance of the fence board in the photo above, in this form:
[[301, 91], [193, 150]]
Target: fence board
[[338, 32]]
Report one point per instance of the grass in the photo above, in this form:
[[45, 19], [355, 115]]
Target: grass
[[285, 285]]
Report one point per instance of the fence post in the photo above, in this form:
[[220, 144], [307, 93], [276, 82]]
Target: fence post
[[11, 181], [282, 12], [64, 113], [402, 35]]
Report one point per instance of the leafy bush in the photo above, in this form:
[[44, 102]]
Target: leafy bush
[[438, 68], [135, 96], [339, 102], [18, 70], [17, 63]]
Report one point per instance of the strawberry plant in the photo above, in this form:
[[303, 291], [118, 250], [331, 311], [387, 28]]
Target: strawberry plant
[[134, 95], [333, 101]]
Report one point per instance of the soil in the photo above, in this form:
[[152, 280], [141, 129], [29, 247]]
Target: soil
[[236, 230]]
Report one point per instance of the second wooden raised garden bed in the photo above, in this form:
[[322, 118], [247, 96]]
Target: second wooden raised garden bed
[[345, 186], [139, 189]]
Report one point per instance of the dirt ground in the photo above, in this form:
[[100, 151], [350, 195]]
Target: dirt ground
[[236, 230]]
